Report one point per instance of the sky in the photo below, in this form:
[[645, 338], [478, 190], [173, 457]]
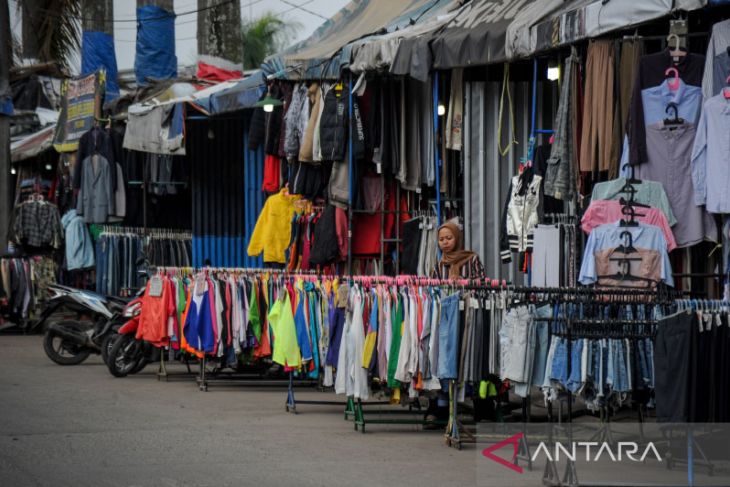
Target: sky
[[186, 25]]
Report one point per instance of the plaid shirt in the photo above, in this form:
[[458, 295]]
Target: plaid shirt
[[38, 224]]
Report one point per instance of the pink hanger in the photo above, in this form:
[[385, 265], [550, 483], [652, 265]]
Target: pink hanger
[[726, 90], [674, 84]]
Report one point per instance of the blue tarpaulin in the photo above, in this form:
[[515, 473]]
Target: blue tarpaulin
[[244, 95], [6, 106], [155, 58], [97, 52]]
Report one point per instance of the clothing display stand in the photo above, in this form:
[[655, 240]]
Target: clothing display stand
[[456, 434], [163, 374]]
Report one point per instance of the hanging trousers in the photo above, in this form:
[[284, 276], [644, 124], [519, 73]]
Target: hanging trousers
[[597, 147]]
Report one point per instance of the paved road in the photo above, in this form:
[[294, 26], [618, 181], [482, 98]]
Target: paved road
[[79, 426]]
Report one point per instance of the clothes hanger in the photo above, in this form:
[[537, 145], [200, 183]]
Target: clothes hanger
[[726, 90], [673, 83], [677, 52], [668, 122]]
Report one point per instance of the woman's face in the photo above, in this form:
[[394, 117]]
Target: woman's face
[[447, 240]]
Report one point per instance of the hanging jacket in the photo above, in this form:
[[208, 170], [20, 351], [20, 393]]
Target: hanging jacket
[[272, 233], [333, 128], [326, 247], [296, 118], [97, 199], [521, 215], [79, 247], [257, 127], [95, 141], [306, 151]]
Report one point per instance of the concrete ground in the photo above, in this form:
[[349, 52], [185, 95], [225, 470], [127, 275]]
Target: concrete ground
[[79, 426]]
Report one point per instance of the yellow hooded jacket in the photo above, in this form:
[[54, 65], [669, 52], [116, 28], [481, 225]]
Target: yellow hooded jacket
[[272, 233]]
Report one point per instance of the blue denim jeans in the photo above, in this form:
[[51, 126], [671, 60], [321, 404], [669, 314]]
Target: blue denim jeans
[[101, 263], [449, 338], [611, 366], [622, 373], [576, 355], [559, 370]]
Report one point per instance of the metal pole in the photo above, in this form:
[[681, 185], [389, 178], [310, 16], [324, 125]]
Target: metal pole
[[437, 146], [349, 175], [5, 60]]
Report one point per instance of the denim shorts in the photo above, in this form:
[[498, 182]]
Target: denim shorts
[[449, 338]]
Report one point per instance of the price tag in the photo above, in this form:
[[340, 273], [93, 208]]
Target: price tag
[[488, 304], [156, 287], [475, 303], [461, 305]]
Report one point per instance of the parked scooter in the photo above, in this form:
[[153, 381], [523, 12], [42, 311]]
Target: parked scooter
[[128, 355], [70, 342]]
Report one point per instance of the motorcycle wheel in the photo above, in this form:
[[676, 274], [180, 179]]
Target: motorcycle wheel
[[124, 356], [63, 351], [140, 365], [106, 346]]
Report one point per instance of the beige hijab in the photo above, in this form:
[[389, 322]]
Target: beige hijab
[[457, 257]]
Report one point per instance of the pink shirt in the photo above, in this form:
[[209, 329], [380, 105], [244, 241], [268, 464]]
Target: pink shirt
[[609, 211]]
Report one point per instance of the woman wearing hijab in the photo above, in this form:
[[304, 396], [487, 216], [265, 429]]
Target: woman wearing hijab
[[456, 262]]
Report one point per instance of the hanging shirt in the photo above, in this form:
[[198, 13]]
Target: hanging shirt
[[669, 149], [286, 350], [648, 193], [609, 211], [609, 237], [651, 74], [719, 42], [711, 156], [156, 311]]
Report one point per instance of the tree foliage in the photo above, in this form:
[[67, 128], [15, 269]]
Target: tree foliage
[[265, 36]]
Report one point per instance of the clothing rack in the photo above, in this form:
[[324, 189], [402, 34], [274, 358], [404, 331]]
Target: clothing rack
[[596, 296], [151, 232]]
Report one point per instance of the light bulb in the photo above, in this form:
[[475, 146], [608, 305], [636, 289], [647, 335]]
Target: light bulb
[[553, 73], [268, 108], [441, 110], [48, 167], [13, 171]]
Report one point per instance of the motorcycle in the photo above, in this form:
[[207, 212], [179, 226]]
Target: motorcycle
[[127, 354], [72, 341]]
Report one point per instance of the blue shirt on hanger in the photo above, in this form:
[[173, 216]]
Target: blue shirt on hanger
[[711, 156], [609, 236], [655, 101]]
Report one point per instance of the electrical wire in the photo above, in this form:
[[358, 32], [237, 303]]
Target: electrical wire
[[304, 9]]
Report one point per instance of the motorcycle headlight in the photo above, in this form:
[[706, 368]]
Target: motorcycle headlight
[[132, 310]]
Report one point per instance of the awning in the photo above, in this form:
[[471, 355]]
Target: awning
[[477, 35], [329, 49], [33, 144], [378, 52], [585, 19], [243, 94]]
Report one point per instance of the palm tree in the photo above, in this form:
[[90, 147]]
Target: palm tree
[[264, 36], [52, 30]]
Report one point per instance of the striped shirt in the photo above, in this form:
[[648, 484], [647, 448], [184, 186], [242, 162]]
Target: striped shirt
[[473, 269]]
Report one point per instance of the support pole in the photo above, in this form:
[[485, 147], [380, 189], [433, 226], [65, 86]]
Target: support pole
[[437, 146], [5, 60], [350, 184]]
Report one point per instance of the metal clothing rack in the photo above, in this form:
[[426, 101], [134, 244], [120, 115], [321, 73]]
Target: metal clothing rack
[[660, 295]]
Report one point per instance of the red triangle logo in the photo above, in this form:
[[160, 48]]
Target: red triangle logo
[[513, 440]]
